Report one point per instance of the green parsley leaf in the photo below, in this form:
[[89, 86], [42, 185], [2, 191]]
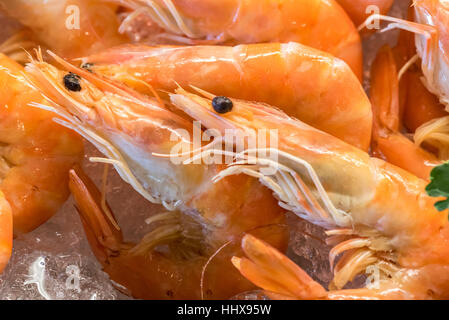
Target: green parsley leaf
[[439, 185]]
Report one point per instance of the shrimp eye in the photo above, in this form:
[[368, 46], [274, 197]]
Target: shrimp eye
[[222, 104], [72, 82]]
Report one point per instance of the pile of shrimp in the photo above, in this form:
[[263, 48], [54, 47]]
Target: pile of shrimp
[[230, 115]]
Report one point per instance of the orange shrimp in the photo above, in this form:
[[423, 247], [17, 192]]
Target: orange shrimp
[[305, 83], [232, 22], [35, 154], [72, 28], [377, 214], [383, 218], [205, 220]]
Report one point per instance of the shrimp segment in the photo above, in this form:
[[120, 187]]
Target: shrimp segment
[[35, 152], [421, 106], [305, 83], [232, 22], [431, 18], [72, 28]]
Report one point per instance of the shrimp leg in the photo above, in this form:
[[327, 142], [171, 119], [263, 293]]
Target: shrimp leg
[[388, 142]]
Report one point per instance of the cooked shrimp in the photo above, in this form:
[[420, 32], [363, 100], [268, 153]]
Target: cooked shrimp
[[380, 214], [359, 10], [305, 83], [35, 154], [310, 22], [72, 28], [376, 214], [204, 220]]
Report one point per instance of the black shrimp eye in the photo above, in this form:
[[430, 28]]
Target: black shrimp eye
[[72, 82], [222, 104]]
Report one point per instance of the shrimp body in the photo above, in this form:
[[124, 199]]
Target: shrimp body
[[72, 28], [305, 83], [36, 153], [205, 220], [234, 22], [375, 213]]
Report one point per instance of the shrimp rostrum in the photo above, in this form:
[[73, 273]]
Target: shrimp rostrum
[[188, 254], [375, 214]]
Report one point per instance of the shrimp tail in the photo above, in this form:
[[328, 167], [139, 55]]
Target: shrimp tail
[[269, 269], [100, 228]]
